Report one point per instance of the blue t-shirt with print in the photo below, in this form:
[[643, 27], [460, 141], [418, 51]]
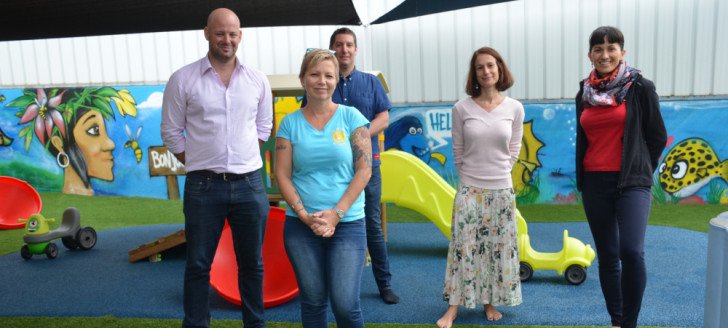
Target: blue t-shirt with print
[[323, 163], [366, 93]]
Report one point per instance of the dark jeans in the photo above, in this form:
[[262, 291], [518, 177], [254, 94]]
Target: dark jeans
[[207, 203], [327, 268], [375, 237], [618, 220]]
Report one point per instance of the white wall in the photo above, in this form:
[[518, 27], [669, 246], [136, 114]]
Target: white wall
[[680, 44]]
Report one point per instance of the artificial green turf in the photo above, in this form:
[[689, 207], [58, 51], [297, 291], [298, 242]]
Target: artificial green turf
[[110, 212], [100, 213], [107, 212]]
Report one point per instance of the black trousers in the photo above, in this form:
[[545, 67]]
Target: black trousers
[[618, 220]]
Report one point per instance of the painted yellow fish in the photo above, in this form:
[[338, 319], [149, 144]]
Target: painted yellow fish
[[690, 166]]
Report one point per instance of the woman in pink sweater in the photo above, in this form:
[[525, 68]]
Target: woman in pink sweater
[[482, 261]]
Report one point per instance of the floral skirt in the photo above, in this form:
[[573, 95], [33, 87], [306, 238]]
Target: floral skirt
[[482, 260]]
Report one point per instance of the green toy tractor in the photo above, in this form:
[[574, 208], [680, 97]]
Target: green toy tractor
[[38, 236]]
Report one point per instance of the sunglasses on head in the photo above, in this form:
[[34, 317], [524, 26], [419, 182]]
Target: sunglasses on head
[[310, 50]]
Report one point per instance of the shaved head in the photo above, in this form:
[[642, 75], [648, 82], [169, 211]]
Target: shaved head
[[223, 35], [222, 14]]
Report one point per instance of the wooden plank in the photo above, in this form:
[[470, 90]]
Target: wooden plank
[[151, 249]]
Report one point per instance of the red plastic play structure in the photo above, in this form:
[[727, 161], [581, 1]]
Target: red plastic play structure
[[279, 281], [19, 201]]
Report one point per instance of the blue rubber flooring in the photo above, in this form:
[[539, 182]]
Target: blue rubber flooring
[[101, 281]]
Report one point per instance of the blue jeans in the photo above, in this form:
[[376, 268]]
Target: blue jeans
[[207, 203], [618, 221], [327, 268], [375, 237]]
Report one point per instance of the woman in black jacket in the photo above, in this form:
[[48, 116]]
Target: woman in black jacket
[[620, 136]]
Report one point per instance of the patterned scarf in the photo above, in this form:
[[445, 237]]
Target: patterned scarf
[[610, 90]]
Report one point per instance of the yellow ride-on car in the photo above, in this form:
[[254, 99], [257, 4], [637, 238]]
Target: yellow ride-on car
[[572, 260]]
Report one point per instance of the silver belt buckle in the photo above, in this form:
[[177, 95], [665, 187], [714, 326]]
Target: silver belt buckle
[[224, 177]]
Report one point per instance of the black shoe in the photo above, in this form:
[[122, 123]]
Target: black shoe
[[389, 297]]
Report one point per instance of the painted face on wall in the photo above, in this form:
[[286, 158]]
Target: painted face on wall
[[406, 134], [95, 145]]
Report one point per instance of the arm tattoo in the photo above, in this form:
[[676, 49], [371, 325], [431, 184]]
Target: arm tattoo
[[298, 202], [360, 137], [281, 147]]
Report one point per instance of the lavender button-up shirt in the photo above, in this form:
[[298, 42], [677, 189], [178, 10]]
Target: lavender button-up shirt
[[217, 127]]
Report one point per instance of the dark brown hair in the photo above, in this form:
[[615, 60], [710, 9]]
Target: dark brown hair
[[342, 30], [505, 79], [612, 34]]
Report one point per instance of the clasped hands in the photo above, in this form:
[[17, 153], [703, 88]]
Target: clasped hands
[[322, 223]]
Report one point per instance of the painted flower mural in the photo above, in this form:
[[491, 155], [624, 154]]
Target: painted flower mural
[[43, 112]]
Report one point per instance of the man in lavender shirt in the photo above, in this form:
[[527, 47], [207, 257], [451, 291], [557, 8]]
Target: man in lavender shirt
[[216, 114]]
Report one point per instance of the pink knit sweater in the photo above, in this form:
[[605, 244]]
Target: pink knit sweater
[[486, 145]]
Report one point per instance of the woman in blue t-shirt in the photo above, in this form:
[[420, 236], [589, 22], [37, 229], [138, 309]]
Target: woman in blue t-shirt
[[323, 162]]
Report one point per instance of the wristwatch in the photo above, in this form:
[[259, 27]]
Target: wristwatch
[[339, 212]]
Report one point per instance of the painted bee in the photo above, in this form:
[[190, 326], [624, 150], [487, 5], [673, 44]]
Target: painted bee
[[133, 143]]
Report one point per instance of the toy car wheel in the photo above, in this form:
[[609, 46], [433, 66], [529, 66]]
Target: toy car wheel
[[51, 251], [69, 242], [575, 274], [526, 272], [25, 252], [86, 238]]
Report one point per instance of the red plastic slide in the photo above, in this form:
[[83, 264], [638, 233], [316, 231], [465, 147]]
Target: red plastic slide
[[279, 281], [19, 201]]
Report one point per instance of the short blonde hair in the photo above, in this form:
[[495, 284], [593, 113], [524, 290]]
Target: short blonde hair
[[314, 58]]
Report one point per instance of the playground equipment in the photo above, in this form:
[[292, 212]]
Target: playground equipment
[[279, 281], [19, 200], [572, 260], [152, 250], [409, 182], [38, 238]]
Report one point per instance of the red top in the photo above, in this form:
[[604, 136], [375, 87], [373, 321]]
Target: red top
[[604, 129]]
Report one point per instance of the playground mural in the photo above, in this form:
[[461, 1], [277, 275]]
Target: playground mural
[[71, 127], [105, 141], [544, 172]]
